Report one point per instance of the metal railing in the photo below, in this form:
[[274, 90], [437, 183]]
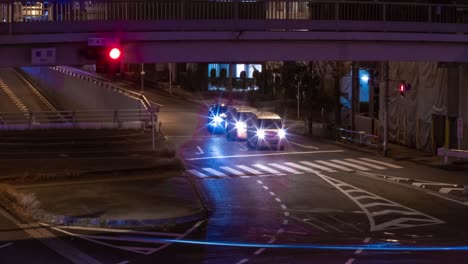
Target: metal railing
[[360, 138], [455, 153], [98, 119], [137, 10]]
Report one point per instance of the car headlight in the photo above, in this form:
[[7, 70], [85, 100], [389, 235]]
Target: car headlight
[[217, 119], [261, 134], [282, 133], [240, 125]]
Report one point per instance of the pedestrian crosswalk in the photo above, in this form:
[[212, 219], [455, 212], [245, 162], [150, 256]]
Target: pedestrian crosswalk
[[296, 168]]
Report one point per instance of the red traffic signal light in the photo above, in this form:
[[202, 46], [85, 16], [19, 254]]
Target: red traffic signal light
[[402, 87], [115, 53]]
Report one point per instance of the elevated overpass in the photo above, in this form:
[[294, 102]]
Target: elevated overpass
[[236, 31]]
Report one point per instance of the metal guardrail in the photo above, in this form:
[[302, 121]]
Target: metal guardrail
[[455, 153], [360, 138], [112, 119], [138, 10]]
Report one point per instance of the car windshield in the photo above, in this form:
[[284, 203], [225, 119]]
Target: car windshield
[[217, 110], [270, 123]]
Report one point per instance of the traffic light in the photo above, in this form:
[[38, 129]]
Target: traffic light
[[108, 58], [403, 88]]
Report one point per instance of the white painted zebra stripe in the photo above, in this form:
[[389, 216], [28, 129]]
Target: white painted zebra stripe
[[215, 172], [350, 165], [336, 166], [233, 171], [253, 171], [297, 166], [382, 163], [197, 173], [281, 167], [366, 164], [267, 169], [447, 190], [320, 167]]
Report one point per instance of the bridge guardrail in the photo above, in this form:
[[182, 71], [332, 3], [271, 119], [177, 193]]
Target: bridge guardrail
[[111, 119], [455, 153], [111, 10], [360, 138]]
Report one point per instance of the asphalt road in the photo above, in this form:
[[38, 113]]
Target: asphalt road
[[313, 193]]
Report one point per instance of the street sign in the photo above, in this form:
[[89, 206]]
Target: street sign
[[43, 56], [460, 128], [100, 42]]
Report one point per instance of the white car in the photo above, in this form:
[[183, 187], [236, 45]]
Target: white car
[[266, 130]]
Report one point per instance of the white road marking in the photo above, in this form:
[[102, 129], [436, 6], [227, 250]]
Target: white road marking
[[320, 167], [259, 251], [448, 199], [233, 171], [358, 167], [382, 163], [285, 221], [325, 224], [283, 207], [281, 167], [297, 166], [286, 214], [113, 230], [391, 224], [304, 146], [248, 169], [269, 154], [6, 245], [242, 261], [198, 174], [260, 182], [447, 190], [273, 239], [267, 169], [244, 148], [278, 200], [215, 172], [265, 187], [200, 151], [245, 177], [419, 184], [124, 262], [312, 224], [350, 261], [336, 166], [366, 164]]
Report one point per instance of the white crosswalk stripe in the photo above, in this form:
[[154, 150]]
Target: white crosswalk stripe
[[267, 169], [350, 165], [382, 163], [248, 169], [197, 173], [215, 172], [281, 167], [297, 166], [336, 166], [320, 167], [233, 171], [366, 164]]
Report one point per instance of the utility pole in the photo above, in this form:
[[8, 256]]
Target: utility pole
[[460, 119], [298, 99], [170, 78], [355, 76], [231, 73], [142, 73], [386, 98]]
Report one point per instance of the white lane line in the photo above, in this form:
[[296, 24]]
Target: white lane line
[[419, 184], [242, 261], [304, 146], [447, 190], [350, 165], [245, 177], [248, 169], [281, 167], [215, 172], [382, 163], [336, 166], [272, 194], [124, 262], [6, 245], [285, 222], [269, 154], [198, 174], [366, 164], [278, 200], [233, 171], [244, 148], [320, 167], [297, 166], [200, 151], [260, 182], [267, 169], [448, 199], [265, 187], [286, 214], [283, 207], [259, 251], [350, 261]]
